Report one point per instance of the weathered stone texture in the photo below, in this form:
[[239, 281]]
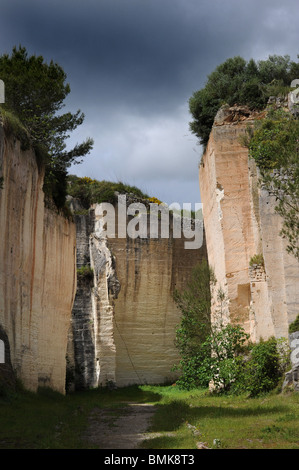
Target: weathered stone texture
[[225, 195], [146, 316], [240, 222], [130, 310], [37, 271]]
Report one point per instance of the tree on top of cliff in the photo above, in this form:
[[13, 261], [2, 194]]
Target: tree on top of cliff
[[35, 92], [237, 81]]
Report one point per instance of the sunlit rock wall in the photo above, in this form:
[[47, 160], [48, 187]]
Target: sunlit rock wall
[[37, 271], [240, 222], [124, 321]]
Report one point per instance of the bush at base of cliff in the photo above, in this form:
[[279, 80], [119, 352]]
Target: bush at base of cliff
[[263, 371], [226, 360], [195, 305], [218, 362]]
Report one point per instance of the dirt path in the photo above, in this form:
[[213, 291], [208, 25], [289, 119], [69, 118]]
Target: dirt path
[[119, 428]]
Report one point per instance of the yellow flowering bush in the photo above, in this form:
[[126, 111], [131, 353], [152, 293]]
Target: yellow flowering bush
[[154, 200]]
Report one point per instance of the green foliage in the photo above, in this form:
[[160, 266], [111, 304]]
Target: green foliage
[[85, 273], [90, 191], [294, 326], [14, 126], [262, 371], [239, 82], [195, 304], [222, 367], [55, 185], [218, 354], [210, 353], [229, 346], [35, 92], [274, 140], [274, 144], [48, 420], [257, 259]]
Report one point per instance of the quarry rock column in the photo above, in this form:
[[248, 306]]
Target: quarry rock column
[[225, 193]]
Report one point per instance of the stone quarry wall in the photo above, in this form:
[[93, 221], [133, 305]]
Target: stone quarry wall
[[240, 222], [124, 319], [37, 272]]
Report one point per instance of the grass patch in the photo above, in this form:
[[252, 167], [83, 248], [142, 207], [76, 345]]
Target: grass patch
[[48, 420], [227, 422]]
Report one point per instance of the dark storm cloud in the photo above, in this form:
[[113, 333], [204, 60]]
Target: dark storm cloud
[[125, 50], [133, 64], [143, 53]]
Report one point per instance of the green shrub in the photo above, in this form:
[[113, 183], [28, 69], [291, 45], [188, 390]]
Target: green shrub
[[262, 371], [14, 126], [85, 273], [293, 327], [257, 259], [90, 191], [237, 81], [228, 345], [273, 144]]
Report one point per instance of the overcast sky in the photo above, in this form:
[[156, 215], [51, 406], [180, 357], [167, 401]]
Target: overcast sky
[[132, 66]]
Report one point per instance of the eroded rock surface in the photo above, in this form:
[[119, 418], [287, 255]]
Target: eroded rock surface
[[241, 222]]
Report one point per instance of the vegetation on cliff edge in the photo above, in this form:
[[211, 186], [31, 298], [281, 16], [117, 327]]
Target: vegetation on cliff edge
[[34, 97], [220, 354], [237, 81], [274, 145]]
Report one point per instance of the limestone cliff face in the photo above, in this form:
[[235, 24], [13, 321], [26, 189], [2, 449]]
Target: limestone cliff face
[[37, 271], [91, 348], [240, 222], [124, 320]]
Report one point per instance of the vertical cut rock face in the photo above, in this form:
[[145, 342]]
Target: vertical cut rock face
[[124, 318], [241, 222], [37, 272], [91, 348]]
